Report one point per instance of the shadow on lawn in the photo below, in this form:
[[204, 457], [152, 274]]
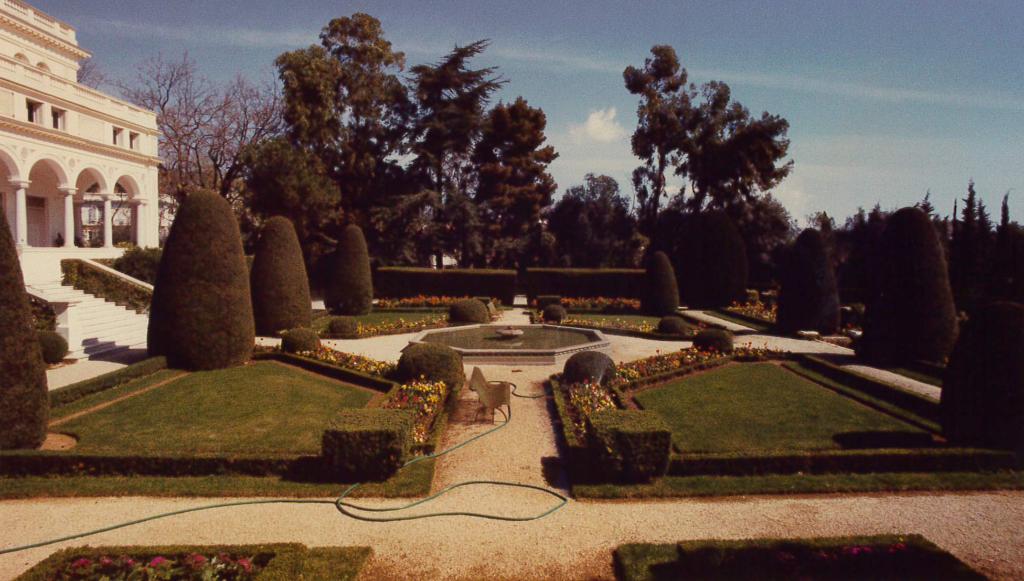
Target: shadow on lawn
[[870, 440]]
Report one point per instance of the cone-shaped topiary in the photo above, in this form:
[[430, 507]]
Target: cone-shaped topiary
[[24, 400], [913, 318], [201, 314], [983, 391], [662, 297], [808, 299], [350, 282], [280, 286], [711, 265]]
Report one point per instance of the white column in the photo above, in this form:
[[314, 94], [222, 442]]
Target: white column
[[69, 216], [108, 223], [140, 224], [20, 213]]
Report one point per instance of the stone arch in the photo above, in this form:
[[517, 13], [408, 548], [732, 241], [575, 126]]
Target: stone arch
[[91, 180], [126, 184], [54, 166], [10, 163]]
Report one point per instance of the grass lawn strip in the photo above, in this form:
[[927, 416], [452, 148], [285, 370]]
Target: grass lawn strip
[[105, 399], [262, 408], [411, 482], [778, 484], [760, 407]]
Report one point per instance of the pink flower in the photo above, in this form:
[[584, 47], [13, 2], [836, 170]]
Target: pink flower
[[158, 561], [196, 560], [79, 563], [105, 561], [896, 548], [245, 564]]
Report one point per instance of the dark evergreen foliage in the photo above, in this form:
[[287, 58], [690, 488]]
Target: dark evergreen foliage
[[913, 317], [299, 340], [201, 315], [553, 313], [674, 325], [53, 346], [350, 284], [592, 366], [343, 327], [280, 286], [469, 311], [714, 339], [808, 298], [434, 362], [983, 391], [711, 261], [662, 289], [24, 402]]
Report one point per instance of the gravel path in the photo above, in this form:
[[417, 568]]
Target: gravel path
[[902, 381]]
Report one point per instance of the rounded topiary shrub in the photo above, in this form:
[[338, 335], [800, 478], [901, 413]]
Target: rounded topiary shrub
[[201, 312], [553, 313], [24, 400], [280, 286], [299, 340], [468, 311], [591, 366], [434, 362], [53, 346], [714, 340], [808, 299], [983, 390], [674, 325], [343, 327], [350, 283], [711, 264], [545, 300], [913, 317], [662, 297]]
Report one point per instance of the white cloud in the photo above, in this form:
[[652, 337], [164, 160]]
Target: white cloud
[[600, 126], [201, 34]]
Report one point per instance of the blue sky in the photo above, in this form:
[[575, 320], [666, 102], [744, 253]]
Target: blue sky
[[886, 100]]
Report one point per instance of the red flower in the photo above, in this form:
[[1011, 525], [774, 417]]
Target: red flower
[[80, 563], [245, 564], [105, 561], [158, 561]]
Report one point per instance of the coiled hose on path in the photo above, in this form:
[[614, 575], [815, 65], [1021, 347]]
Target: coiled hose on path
[[346, 508]]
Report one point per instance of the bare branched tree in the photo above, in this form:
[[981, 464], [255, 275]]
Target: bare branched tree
[[90, 74]]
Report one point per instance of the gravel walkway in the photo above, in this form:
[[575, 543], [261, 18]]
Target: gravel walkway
[[902, 381]]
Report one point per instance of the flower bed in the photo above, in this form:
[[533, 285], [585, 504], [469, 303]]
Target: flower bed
[[601, 304], [755, 310], [350, 361], [611, 323], [400, 325], [173, 566], [426, 398], [423, 302], [586, 399]]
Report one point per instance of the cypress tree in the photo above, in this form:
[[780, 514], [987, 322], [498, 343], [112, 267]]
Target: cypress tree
[[808, 298], [983, 391], [350, 282], [24, 400], [201, 315], [712, 261], [662, 289], [280, 286], [913, 317]]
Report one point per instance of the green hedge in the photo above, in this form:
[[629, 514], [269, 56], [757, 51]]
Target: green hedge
[[76, 391], [843, 462], [36, 463], [367, 444], [87, 278], [630, 445], [875, 557], [585, 282], [397, 282], [278, 562]]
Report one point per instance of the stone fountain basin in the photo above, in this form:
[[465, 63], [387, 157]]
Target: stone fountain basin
[[538, 345]]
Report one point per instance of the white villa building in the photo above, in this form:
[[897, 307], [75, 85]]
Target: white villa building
[[74, 162], [78, 177]]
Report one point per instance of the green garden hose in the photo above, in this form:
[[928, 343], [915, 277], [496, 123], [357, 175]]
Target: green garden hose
[[346, 507]]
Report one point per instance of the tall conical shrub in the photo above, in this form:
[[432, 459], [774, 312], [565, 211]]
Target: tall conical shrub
[[983, 391], [280, 286], [662, 297], [24, 400], [913, 318], [350, 282], [201, 314], [711, 265], [808, 298]]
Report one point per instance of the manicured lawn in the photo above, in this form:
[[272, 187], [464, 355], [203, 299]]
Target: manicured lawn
[[374, 319], [599, 317], [260, 408], [759, 407], [113, 393], [759, 326]]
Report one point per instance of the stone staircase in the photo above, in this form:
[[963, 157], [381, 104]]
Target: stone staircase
[[97, 327]]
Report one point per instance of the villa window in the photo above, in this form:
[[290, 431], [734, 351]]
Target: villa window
[[133, 140], [57, 118], [118, 136], [34, 110]]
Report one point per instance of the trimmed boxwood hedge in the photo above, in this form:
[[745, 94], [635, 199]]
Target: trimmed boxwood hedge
[[983, 390], [662, 289], [434, 362], [350, 282], [469, 311], [588, 366], [201, 316], [280, 286], [718, 339], [675, 325], [367, 444], [402, 281], [554, 313], [808, 297], [299, 340], [343, 327], [280, 562], [630, 445], [24, 407], [584, 282], [53, 346]]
